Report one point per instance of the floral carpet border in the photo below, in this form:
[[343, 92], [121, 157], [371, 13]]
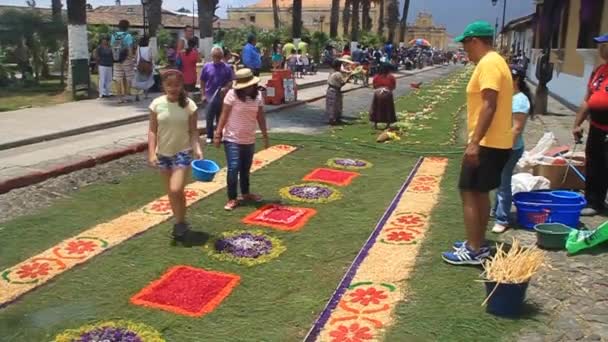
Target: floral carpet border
[[24, 277], [362, 305]]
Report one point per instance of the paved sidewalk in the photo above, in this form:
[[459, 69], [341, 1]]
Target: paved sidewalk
[[32, 125], [571, 295], [32, 163]]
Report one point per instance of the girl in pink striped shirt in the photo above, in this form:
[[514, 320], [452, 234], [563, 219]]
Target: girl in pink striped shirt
[[242, 112]]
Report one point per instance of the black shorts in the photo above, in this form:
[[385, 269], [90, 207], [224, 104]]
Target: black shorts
[[487, 175]]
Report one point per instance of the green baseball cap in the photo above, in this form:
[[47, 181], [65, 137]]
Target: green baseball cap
[[477, 29]]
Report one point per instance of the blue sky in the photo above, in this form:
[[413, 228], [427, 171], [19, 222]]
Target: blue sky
[[455, 18]]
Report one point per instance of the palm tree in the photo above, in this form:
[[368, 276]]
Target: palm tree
[[154, 9], [381, 18], [77, 36], [346, 17], [296, 25], [366, 19], [392, 11], [403, 22], [355, 27], [275, 15], [334, 18], [206, 14]]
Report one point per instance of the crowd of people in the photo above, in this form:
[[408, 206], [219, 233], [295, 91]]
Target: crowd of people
[[499, 104]]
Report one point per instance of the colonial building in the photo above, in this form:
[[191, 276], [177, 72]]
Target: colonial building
[[315, 14], [574, 53], [518, 36], [426, 29]]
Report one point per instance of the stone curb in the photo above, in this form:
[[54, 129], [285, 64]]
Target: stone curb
[[89, 162], [37, 177]]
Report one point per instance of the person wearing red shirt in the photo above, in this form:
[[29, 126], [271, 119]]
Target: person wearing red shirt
[[383, 105], [595, 107], [187, 65], [346, 50]]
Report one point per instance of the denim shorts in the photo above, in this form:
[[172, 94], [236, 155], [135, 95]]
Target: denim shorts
[[180, 160]]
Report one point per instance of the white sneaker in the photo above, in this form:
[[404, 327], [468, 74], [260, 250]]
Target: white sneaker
[[208, 141], [499, 228]]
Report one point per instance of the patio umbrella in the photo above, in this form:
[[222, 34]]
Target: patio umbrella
[[420, 42]]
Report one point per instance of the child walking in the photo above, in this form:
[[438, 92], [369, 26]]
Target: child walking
[[243, 110], [172, 139]]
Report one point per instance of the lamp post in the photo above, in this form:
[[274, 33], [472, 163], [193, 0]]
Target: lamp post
[[504, 13], [144, 4]]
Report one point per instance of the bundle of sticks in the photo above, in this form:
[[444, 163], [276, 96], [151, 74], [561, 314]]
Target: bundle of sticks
[[515, 266]]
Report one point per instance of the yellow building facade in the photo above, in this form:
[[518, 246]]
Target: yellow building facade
[[574, 54], [426, 29], [315, 14]]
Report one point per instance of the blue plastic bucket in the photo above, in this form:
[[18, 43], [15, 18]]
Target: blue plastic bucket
[[204, 170], [548, 207], [507, 300]]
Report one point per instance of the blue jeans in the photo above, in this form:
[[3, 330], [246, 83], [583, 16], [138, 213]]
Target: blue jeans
[[504, 198], [214, 109], [239, 159]]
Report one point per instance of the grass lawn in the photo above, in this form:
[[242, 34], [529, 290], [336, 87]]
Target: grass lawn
[[444, 301], [48, 92], [277, 301], [279, 292]]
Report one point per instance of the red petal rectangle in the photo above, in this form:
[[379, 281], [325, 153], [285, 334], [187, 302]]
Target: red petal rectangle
[[187, 291], [331, 176]]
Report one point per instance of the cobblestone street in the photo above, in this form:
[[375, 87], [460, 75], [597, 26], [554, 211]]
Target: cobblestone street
[[571, 295]]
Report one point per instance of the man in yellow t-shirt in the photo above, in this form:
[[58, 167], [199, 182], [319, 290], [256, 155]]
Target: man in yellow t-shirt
[[489, 99]]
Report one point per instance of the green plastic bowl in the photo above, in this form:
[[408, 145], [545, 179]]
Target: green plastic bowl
[[552, 235]]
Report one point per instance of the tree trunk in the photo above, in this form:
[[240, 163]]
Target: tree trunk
[[296, 21], [366, 19], [355, 27], [154, 16], [334, 19], [77, 35], [346, 18], [56, 9], [392, 11], [403, 22], [275, 15], [381, 18], [206, 13]]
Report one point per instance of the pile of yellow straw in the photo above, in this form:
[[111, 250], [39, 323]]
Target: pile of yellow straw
[[516, 266]]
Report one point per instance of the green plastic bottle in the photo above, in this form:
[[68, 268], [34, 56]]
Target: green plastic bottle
[[579, 240]]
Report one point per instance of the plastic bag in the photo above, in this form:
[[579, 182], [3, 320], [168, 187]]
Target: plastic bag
[[524, 182], [532, 157], [579, 240]]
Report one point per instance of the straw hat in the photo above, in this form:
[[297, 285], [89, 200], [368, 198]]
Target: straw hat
[[244, 78], [346, 59]]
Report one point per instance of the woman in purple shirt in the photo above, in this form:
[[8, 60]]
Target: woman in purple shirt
[[216, 77]]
